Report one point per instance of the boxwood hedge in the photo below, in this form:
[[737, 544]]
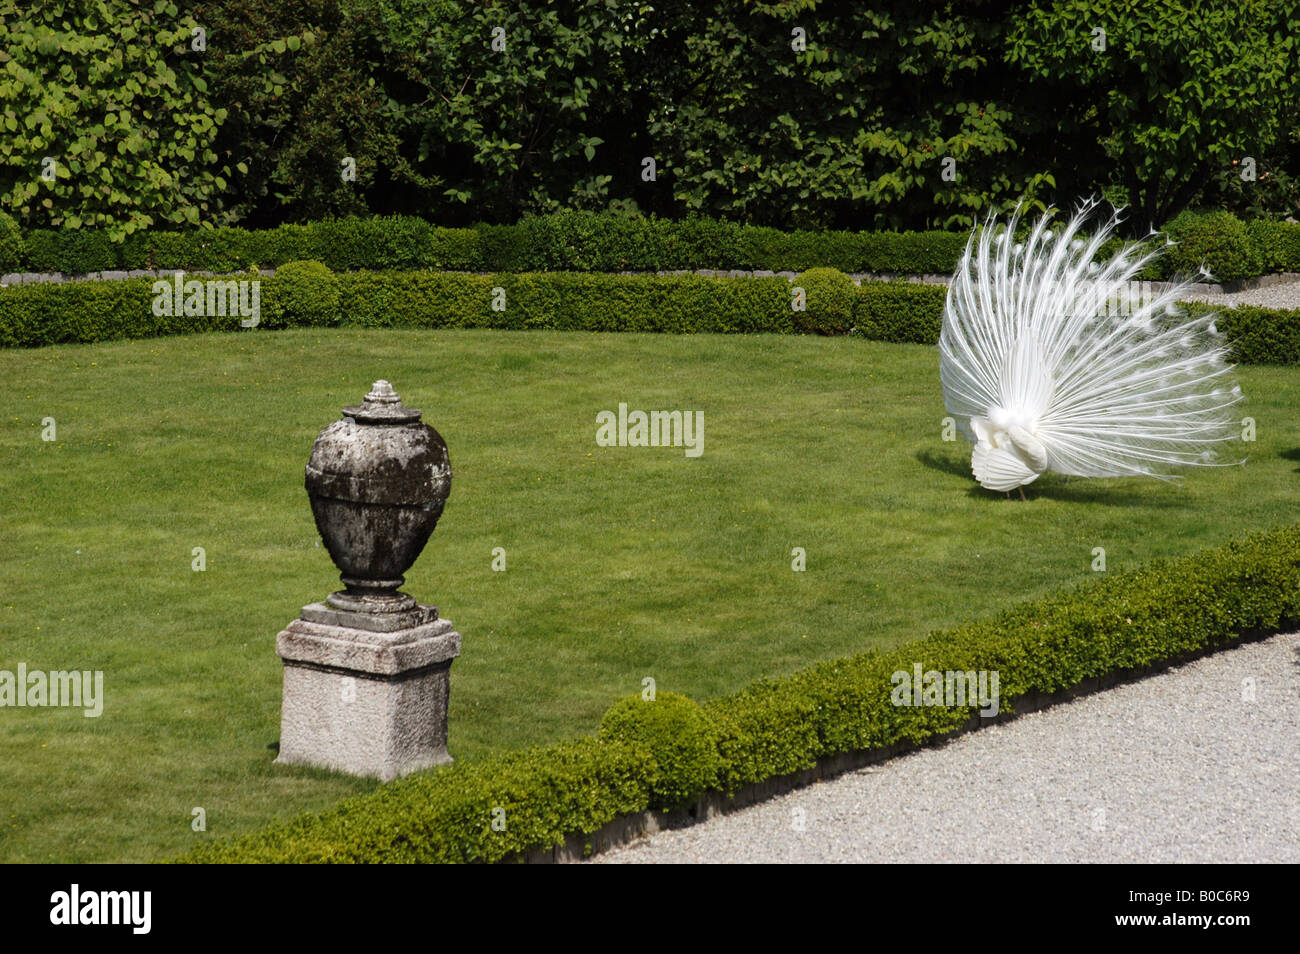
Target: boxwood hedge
[[504, 806], [67, 312], [592, 242]]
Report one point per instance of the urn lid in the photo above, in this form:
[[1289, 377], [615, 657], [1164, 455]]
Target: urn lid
[[382, 406]]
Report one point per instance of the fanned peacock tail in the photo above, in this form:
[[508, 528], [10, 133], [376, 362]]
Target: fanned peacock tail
[[1050, 362]]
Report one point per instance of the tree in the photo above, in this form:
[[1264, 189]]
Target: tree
[[312, 121], [1160, 96], [522, 107], [106, 118], [816, 112]]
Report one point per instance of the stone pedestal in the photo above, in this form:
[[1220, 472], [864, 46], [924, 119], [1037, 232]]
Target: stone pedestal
[[366, 693]]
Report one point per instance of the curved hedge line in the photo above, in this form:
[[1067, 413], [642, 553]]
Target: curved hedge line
[[592, 242], [905, 312], [776, 727]]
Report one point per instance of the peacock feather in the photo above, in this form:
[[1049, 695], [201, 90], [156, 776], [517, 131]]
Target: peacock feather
[[1052, 361]]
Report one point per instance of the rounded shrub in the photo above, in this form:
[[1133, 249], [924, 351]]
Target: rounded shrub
[[1218, 240], [302, 293], [11, 244], [829, 299], [678, 736]]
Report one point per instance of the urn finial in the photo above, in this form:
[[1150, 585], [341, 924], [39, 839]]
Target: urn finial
[[382, 406]]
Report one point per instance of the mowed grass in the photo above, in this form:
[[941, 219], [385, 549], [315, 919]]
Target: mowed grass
[[622, 563]]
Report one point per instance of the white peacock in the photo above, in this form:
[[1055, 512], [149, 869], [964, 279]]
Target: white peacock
[[1048, 362]]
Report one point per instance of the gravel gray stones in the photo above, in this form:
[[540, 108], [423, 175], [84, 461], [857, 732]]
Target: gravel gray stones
[[1280, 294], [1179, 767]]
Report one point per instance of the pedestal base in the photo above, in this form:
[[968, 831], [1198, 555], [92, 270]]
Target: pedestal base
[[366, 702]]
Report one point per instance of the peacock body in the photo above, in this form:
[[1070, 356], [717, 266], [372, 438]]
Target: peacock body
[[1051, 361]]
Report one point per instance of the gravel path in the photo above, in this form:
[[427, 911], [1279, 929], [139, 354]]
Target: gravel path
[[1179, 767], [1282, 294]]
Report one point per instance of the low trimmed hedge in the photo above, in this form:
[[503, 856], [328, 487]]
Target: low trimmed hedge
[[61, 313], [310, 295], [592, 242], [1278, 244], [531, 795], [565, 241], [12, 248], [901, 312], [1126, 622], [1257, 335], [679, 737]]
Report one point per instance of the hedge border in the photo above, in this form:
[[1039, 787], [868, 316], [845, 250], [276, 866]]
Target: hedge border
[[628, 828], [600, 242], [777, 728], [41, 314]]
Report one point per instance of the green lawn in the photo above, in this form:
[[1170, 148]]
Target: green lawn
[[622, 562]]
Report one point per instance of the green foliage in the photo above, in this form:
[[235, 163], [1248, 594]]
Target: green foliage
[[90, 89], [901, 311], [1219, 241], [1257, 335], [908, 253], [1278, 244], [564, 241], [32, 315], [897, 252], [303, 293], [903, 116], [13, 250], [1272, 193], [524, 128], [584, 241], [1126, 622], [536, 796], [308, 293], [830, 299], [679, 738], [854, 127], [308, 79], [72, 251], [42, 314], [649, 754], [1179, 92]]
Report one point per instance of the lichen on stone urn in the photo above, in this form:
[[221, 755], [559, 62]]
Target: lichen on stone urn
[[377, 480]]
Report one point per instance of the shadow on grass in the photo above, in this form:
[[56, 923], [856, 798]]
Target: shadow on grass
[[1058, 487], [958, 467], [1292, 454]]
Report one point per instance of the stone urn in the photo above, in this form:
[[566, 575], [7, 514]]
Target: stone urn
[[377, 480]]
